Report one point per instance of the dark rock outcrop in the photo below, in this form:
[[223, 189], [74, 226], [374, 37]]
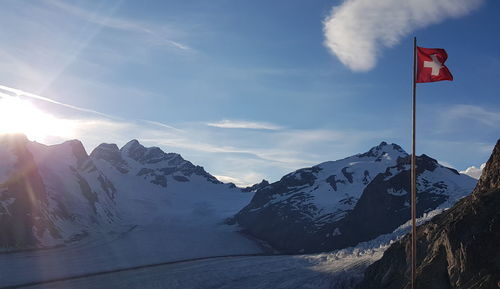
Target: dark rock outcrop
[[378, 212], [458, 249], [25, 194], [111, 153], [256, 187], [45, 189]]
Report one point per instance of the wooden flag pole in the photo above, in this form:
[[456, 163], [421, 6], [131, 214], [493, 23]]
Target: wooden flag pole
[[414, 177]]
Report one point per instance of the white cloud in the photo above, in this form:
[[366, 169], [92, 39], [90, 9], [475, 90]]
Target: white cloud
[[244, 124], [243, 181], [357, 30], [473, 113], [474, 171]]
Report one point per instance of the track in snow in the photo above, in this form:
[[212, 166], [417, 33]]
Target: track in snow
[[145, 245], [92, 274], [307, 271]]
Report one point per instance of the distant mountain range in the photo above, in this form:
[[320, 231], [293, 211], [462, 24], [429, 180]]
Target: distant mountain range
[[54, 195]]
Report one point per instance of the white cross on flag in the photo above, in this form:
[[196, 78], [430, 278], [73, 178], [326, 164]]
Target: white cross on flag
[[430, 65]]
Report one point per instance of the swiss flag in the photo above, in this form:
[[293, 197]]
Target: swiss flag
[[430, 65]]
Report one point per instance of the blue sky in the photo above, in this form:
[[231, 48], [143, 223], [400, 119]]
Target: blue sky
[[250, 89]]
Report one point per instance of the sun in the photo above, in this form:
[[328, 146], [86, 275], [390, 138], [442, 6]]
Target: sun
[[21, 116]]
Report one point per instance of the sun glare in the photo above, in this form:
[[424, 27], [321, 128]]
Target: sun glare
[[21, 116]]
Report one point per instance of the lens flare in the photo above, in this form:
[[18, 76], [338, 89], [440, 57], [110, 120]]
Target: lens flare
[[21, 116]]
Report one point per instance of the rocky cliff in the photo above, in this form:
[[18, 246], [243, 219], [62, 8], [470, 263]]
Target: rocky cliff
[[458, 249]]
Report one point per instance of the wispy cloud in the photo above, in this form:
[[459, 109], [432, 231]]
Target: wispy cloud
[[93, 45], [157, 34], [445, 163], [243, 156], [357, 30], [19, 93], [244, 124], [160, 124], [472, 113]]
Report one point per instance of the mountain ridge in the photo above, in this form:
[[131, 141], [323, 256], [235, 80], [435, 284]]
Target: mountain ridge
[[36, 191], [323, 207], [72, 194], [112, 187]]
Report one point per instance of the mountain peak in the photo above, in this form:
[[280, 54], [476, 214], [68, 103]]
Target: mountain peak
[[78, 150], [131, 145], [103, 150], [110, 153], [106, 147], [490, 178], [384, 148], [133, 149], [256, 187], [13, 138]]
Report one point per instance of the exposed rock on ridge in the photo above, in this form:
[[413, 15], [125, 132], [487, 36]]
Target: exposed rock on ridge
[[50, 194], [338, 204], [458, 249]]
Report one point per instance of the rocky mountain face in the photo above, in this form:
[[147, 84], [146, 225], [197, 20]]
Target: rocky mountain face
[[50, 194], [256, 187], [154, 164], [458, 249], [341, 203]]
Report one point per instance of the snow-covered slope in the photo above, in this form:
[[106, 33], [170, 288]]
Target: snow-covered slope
[[341, 203], [153, 184], [50, 194], [337, 269], [164, 209]]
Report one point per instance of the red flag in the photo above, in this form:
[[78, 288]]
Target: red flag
[[430, 65]]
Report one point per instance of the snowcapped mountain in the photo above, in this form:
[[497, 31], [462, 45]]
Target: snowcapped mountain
[[154, 164], [151, 175], [50, 194], [340, 203]]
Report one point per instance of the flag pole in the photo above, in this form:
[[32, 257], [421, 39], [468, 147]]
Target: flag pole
[[414, 176]]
